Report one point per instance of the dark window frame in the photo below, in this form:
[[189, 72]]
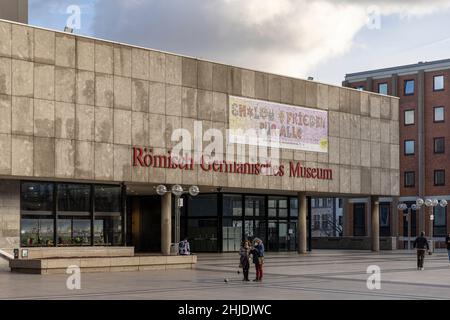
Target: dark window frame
[[405, 174], [436, 184], [434, 114], [404, 87], [434, 145], [434, 83], [404, 148], [404, 117]]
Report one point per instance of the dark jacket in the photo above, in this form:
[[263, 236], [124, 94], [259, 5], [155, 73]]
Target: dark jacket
[[447, 240], [255, 256], [421, 243]]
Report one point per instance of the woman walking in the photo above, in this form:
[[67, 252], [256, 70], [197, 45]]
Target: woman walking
[[244, 260]]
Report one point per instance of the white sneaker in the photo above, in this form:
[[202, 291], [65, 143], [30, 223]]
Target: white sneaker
[[422, 269]]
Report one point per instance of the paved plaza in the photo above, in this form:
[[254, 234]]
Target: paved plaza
[[319, 275]]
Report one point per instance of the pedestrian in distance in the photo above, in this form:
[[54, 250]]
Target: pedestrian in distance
[[184, 248], [447, 241], [422, 246], [258, 258], [244, 259]]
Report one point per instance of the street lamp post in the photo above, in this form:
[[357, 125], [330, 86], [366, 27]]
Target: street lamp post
[[177, 191], [430, 204]]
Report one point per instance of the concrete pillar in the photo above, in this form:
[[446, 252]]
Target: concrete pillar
[[302, 225], [369, 84], [375, 225], [166, 224]]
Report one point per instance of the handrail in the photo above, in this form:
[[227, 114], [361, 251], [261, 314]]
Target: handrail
[[6, 255]]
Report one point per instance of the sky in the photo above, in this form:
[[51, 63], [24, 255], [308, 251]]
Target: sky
[[324, 39]]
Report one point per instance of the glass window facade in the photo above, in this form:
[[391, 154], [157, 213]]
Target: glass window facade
[[63, 214], [270, 218], [385, 219]]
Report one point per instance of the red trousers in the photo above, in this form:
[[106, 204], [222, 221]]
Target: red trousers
[[259, 271]]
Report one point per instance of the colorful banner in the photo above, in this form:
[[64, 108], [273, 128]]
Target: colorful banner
[[295, 128]]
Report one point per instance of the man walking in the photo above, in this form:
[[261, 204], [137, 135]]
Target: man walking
[[421, 244], [447, 240]]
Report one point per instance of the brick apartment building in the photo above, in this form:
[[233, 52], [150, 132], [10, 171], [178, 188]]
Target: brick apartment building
[[424, 92]]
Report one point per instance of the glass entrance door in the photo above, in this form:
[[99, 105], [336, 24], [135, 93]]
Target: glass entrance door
[[283, 236]]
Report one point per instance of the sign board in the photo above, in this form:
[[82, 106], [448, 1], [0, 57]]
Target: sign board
[[263, 123]]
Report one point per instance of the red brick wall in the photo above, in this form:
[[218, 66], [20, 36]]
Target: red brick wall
[[435, 130]]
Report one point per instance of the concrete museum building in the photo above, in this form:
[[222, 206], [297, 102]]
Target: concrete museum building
[[87, 131]]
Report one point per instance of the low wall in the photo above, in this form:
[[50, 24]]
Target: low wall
[[103, 264], [352, 243], [75, 252]]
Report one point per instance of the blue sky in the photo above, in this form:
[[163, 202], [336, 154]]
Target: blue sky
[[325, 38]]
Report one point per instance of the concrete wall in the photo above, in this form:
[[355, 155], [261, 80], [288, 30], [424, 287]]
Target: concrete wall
[[72, 108], [9, 215]]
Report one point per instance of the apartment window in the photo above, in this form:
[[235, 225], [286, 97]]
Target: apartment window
[[383, 88], [360, 88], [320, 203], [438, 83], [439, 145], [439, 177], [409, 147], [410, 179], [409, 117], [438, 114], [409, 87]]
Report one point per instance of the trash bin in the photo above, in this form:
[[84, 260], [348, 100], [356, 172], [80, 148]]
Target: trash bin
[[174, 249]]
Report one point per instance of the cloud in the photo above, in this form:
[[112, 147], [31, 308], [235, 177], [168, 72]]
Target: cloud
[[282, 36]]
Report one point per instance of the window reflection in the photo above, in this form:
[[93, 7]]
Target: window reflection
[[37, 196], [107, 198], [81, 232], [74, 197], [36, 232], [108, 230]]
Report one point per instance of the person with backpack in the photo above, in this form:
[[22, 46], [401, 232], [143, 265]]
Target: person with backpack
[[421, 244], [184, 249]]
